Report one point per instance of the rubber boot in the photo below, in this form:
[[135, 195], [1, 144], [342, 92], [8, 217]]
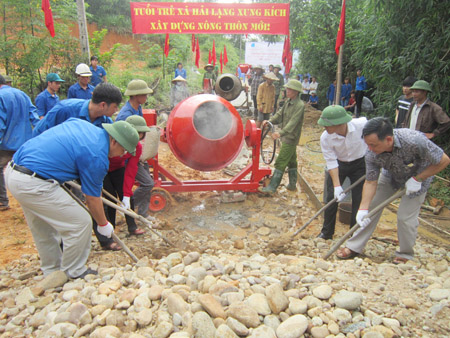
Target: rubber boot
[[292, 186], [274, 182]]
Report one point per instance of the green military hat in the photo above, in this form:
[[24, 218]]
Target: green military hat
[[124, 134], [7, 78], [137, 87], [333, 116], [421, 85], [138, 122], [277, 66], [294, 85]]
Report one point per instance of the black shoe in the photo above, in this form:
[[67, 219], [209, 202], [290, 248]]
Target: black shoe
[[87, 272], [322, 235]]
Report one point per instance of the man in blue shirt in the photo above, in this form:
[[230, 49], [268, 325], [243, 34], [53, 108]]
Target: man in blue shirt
[[98, 72], [73, 150], [17, 115], [104, 103], [360, 87], [346, 90], [82, 89], [331, 92], [47, 99], [138, 92], [180, 71]]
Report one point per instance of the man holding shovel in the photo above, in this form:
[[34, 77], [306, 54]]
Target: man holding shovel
[[72, 150], [343, 149], [395, 159]]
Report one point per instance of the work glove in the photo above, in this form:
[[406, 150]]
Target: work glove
[[339, 194], [106, 229], [412, 186], [362, 222], [126, 202]]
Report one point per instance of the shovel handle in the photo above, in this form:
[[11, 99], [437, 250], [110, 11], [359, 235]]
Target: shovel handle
[[362, 178], [369, 215], [129, 212], [113, 235]]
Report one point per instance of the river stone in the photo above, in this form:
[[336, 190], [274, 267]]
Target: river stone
[[276, 298], [53, 280], [224, 331], [62, 330], [323, 292], [163, 330], [144, 317], [106, 332], [145, 272], [297, 306], [439, 294], [259, 303], [198, 273], [263, 331], [244, 314], [212, 306], [191, 257], [142, 301], [24, 297], [79, 314], [348, 300], [372, 334], [238, 328], [293, 327], [203, 325], [320, 331], [176, 304]]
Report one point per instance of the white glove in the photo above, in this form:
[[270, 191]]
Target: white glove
[[339, 193], [363, 222], [106, 230], [412, 186], [126, 202]]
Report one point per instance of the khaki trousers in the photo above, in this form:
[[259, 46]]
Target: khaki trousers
[[407, 221], [52, 214]]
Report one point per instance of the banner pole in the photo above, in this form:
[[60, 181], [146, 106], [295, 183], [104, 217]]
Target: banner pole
[[339, 76]]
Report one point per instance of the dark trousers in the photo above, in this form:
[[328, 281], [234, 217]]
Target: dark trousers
[[353, 170], [359, 95], [255, 104], [275, 106], [113, 183]]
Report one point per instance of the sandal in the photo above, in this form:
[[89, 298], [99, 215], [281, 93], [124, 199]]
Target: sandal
[[113, 246], [137, 232], [399, 260], [346, 253]]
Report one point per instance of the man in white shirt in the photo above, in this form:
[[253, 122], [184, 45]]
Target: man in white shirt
[[343, 150], [313, 85], [305, 90]]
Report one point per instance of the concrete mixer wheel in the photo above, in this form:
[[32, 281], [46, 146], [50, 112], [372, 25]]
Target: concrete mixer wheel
[[159, 200]]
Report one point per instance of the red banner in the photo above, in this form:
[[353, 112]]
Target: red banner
[[209, 18]]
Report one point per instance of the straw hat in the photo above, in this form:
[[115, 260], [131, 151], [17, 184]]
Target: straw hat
[[179, 78], [208, 66], [271, 76]]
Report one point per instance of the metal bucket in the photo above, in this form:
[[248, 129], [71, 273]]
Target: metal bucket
[[345, 212]]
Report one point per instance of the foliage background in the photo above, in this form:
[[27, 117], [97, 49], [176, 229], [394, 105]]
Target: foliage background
[[387, 39]]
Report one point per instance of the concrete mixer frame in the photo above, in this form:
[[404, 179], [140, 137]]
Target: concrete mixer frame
[[165, 181], [238, 182]]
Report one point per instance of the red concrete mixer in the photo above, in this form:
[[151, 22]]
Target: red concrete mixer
[[205, 132]]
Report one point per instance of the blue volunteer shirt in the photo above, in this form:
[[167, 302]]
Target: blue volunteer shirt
[[45, 101], [66, 109], [76, 92], [314, 99], [128, 110], [73, 150], [330, 92], [181, 73], [346, 90], [17, 116], [361, 83], [97, 75]]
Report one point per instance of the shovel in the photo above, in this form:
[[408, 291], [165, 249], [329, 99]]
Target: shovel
[[113, 235], [369, 215], [128, 212], [362, 178]]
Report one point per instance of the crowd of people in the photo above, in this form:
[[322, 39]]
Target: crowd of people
[[42, 146]]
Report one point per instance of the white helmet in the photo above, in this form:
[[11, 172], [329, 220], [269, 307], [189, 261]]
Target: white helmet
[[83, 70]]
